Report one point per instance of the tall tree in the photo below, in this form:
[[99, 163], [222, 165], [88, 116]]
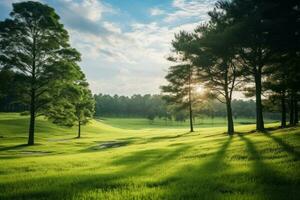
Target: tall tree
[[180, 89], [35, 45], [211, 49], [284, 43], [251, 32], [276, 85]]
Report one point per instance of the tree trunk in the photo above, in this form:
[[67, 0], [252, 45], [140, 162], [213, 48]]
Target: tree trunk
[[259, 110], [32, 97], [291, 107], [32, 119], [191, 111], [230, 126], [228, 95], [190, 102], [79, 131], [296, 118], [283, 111], [191, 117]]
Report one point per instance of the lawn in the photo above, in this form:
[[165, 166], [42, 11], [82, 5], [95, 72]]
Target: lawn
[[142, 123], [126, 161]]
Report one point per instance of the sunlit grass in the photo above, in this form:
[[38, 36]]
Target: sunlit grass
[[110, 162], [199, 122]]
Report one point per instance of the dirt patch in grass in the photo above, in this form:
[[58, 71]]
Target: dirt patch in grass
[[35, 152], [113, 144], [108, 145]]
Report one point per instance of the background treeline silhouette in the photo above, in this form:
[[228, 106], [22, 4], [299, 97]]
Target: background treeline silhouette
[[154, 106]]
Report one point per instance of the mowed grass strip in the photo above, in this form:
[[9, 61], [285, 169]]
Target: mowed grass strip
[[111, 162]]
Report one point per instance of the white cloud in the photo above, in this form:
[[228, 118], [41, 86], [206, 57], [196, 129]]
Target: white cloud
[[190, 9], [138, 55], [89, 9], [156, 12], [127, 83], [130, 60], [112, 27], [8, 3]]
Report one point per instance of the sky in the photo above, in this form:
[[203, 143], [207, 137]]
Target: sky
[[125, 43]]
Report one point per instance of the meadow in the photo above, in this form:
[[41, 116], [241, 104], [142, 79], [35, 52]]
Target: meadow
[[134, 159], [199, 122]]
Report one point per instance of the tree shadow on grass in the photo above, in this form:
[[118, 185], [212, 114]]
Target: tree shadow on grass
[[186, 134], [169, 137], [66, 186], [15, 147], [286, 147], [139, 162], [269, 183], [201, 182], [57, 187]]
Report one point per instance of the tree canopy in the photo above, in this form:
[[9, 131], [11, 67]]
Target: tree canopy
[[35, 46]]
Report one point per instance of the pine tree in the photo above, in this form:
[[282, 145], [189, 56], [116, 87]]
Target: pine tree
[[36, 46]]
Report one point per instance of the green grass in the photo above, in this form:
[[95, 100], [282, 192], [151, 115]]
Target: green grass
[[143, 123], [152, 163]]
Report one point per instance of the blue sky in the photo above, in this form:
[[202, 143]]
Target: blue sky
[[124, 43]]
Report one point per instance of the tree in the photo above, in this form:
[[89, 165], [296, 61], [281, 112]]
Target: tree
[[276, 85], [134, 106], [251, 34], [35, 45], [182, 78], [179, 92], [75, 106], [211, 49], [215, 57], [283, 41], [6, 78], [84, 106]]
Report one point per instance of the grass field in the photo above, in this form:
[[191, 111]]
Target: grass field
[[118, 159], [142, 123]]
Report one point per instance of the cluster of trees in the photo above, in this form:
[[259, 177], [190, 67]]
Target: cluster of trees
[[149, 106], [39, 68], [247, 45], [155, 106]]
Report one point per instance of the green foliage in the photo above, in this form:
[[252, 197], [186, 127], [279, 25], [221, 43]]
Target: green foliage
[[75, 105], [134, 106], [179, 78], [35, 45], [212, 56], [251, 42]]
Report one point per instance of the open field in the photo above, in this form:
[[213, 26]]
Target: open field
[[142, 123], [127, 161]]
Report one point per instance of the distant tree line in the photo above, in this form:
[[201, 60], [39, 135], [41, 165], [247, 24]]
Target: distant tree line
[[155, 106], [247, 45], [148, 106]]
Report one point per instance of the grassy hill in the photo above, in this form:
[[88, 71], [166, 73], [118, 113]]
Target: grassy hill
[[155, 162]]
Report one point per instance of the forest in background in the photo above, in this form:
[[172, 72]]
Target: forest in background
[[154, 106]]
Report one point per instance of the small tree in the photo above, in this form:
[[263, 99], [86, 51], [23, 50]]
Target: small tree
[[84, 106], [179, 92], [75, 106]]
